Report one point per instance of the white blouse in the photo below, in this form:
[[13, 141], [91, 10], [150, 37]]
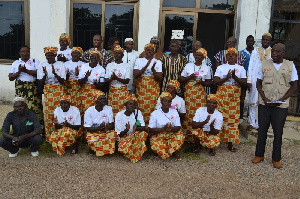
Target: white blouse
[[142, 62], [202, 72], [31, 64], [223, 69], [201, 115], [66, 53], [130, 58], [93, 118], [159, 119], [59, 68], [121, 70], [72, 116], [122, 120], [71, 66], [97, 74], [178, 104]]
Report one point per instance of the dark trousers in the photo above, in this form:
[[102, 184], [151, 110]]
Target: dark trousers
[[270, 115], [34, 143]]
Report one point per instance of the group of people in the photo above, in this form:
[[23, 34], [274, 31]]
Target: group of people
[[121, 96]]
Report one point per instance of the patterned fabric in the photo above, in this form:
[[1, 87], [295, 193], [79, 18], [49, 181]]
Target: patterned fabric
[[52, 94], [133, 145], [229, 106], [50, 49], [61, 138], [95, 51], [105, 56], [87, 97], [130, 97], [207, 140], [65, 36], [231, 50], [118, 47], [212, 97], [264, 54], [172, 70], [165, 94], [165, 143], [73, 89], [78, 49], [195, 98], [150, 45], [202, 51], [28, 90], [221, 57], [102, 143], [174, 83], [147, 92], [116, 98]]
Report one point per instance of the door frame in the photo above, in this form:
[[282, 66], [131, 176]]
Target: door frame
[[193, 12]]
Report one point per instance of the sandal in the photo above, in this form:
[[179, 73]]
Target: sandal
[[212, 152], [74, 152], [177, 157], [232, 149]]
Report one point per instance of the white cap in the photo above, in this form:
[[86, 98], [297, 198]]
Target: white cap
[[128, 39]]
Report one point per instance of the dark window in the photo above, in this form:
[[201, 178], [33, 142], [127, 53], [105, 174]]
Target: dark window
[[179, 22], [217, 4], [180, 3], [87, 23], [118, 22], [12, 31]]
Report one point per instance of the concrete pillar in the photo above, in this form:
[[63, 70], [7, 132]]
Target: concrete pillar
[[253, 18], [148, 21], [48, 19]]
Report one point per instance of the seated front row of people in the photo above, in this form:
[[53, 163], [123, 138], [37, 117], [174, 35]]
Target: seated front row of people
[[166, 136]]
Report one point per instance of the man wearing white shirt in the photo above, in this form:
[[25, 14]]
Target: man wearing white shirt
[[276, 82], [258, 55], [129, 57]]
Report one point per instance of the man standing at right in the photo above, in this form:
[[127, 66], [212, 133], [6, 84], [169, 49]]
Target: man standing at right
[[276, 81], [258, 55]]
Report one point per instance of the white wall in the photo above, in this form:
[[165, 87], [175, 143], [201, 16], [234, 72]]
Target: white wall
[[7, 88], [48, 19], [253, 18], [148, 21]]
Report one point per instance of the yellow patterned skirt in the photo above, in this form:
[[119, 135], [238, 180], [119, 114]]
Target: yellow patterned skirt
[[116, 98], [52, 96], [194, 97], [102, 143], [147, 93], [28, 90], [207, 140], [62, 138], [166, 143], [73, 88], [87, 98], [229, 106], [133, 146]]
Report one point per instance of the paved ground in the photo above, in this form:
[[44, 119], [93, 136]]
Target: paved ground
[[227, 175]]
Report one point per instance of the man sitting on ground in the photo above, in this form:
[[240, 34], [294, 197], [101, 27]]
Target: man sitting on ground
[[26, 130]]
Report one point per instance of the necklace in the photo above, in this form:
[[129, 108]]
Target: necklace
[[198, 69]]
